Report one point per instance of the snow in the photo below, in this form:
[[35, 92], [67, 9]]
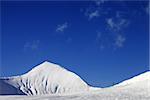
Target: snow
[[144, 78], [103, 94], [49, 81], [48, 78]]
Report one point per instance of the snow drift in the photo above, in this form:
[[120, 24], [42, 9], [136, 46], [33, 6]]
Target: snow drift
[[46, 78]]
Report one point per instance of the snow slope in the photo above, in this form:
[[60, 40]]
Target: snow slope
[[46, 78], [136, 88], [7, 89], [141, 79], [139, 85], [58, 83]]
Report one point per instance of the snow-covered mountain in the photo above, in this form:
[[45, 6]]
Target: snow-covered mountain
[[49, 78], [46, 78]]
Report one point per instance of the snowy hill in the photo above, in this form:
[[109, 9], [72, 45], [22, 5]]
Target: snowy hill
[[46, 78], [141, 80], [139, 85]]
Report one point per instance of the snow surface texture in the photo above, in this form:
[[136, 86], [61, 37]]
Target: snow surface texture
[[47, 78], [58, 83]]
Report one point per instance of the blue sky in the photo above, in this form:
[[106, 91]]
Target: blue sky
[[104, 42]]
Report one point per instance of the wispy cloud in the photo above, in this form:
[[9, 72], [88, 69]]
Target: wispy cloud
[[117, 24], [95, 10], [105, 41], [62, 27], [117, 27], [115, 37], [33, 45], [99, 2], [119, 41], [92, 14], [110, 23]]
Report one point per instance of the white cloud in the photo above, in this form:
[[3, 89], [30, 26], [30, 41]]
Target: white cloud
[[110, 23], [32, 45], [105, 41], [94, 10], [61, 28], [117, 24], [93, 14], [119, 41]]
